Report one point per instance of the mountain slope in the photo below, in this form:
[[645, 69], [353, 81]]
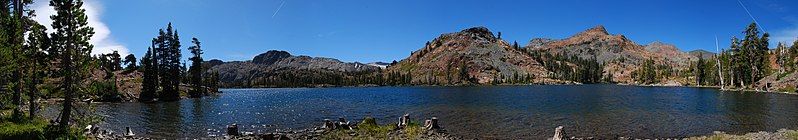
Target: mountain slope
[[472, 55], [620, 55], [280, 68]]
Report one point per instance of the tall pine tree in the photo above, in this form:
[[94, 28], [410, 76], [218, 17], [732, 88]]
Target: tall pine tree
[[196, 70], [149, 85], [72, 33]]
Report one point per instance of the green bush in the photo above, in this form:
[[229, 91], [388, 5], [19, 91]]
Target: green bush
[[105, 90]]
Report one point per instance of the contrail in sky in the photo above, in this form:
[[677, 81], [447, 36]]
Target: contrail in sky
[[752, 16], [278, 9]]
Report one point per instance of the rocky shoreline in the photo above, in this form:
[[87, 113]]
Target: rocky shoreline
[[404, 129]]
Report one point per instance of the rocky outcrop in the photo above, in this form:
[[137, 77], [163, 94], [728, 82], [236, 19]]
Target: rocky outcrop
[[270, 57], [472, 55]]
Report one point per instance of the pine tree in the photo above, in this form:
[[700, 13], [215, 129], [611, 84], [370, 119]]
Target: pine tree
[[196, 69], [792, 62], [115, 61], [149, 85], [168, 57], [37, 63], [699, 70], [130, 61], [15, 24], [72, 33]]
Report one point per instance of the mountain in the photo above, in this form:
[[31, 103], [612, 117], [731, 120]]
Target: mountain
[[702, 53], [381, 65], [280, 68], [671, 53], [471, 56], [621, 55]]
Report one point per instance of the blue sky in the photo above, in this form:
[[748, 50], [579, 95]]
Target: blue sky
[[386, 30]]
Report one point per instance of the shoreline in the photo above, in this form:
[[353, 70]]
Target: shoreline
[[405, 128]]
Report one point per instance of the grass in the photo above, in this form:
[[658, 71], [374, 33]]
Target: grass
[[787, 89], [32, 129], [26, 129], [369, 129]]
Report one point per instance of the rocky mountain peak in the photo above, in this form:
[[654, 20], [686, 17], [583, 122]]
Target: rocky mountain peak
[[270, 57], [597, 30], [481, 32], [659, 47]]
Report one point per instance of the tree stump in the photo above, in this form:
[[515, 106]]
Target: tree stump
[[404, 120], [128, 132], [431, 124], [343, 124], [232, 130], [558, 134], [328, 125]]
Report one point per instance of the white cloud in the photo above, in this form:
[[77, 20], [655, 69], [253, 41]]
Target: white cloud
[[103, 43], [787, 35]]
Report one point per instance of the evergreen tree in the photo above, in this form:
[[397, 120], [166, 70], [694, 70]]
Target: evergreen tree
[[149, 85], [37, 63], [130, 61], [699, 70], [115, 61], [168, 57], [196, 69], [72, 33], [15, 23], [792, 62]]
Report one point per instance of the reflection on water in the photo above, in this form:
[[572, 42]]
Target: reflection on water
[[503, 112]]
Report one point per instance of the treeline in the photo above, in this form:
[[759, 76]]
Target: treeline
[[573, 68], [322, 78], [650, 72], [164, 73], [746, 62]]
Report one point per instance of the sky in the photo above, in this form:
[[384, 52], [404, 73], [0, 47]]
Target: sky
[[385, 30]]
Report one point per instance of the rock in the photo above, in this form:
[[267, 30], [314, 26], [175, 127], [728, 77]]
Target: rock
[[87, 129], [269, 136], [558, 134], [232, 130]]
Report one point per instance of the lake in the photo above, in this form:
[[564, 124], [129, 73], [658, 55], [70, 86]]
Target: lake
[[485, 112]]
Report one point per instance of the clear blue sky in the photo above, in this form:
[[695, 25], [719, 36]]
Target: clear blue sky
[[385, 30]]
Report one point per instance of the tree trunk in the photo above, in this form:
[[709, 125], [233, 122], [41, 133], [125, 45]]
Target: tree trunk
[[32, 97], [17, 101]]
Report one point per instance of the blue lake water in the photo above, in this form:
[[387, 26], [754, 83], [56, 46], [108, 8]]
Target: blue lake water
[[485, 112]]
